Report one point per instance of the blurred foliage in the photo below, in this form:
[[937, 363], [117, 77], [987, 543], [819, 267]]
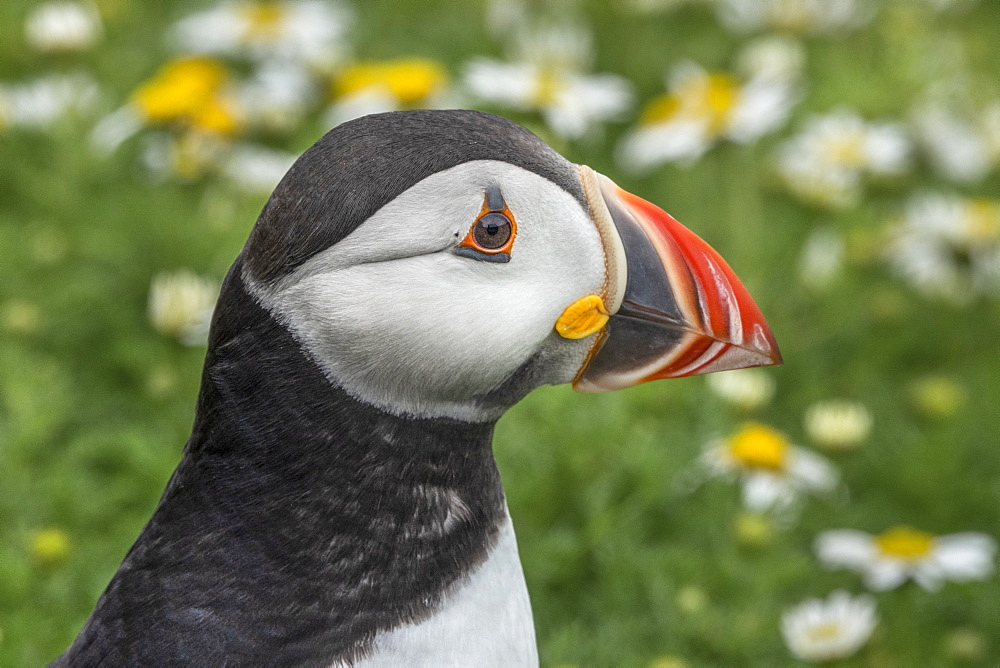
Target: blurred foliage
[[626, 563]]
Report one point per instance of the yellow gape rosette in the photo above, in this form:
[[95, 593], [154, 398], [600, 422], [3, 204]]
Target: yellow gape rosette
[[582, 318]]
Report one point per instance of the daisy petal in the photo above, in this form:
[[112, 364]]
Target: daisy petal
[[812, 471], [965, 556], [764, 491], [884, 575], [845, 548]]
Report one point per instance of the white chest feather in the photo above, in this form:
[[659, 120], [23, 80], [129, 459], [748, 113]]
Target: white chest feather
[[485, 623]]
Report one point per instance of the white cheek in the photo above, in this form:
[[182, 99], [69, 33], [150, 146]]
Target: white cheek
[[414, 329], [440, 327]]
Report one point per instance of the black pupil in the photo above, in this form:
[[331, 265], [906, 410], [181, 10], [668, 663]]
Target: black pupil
[[492, 231]]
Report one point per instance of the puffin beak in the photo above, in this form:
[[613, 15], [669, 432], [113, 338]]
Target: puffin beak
[[676, 308]]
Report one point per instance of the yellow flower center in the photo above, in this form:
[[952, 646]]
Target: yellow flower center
[[188, 92], [759, 446], [721, 94], [711, 97], [847, 150], [905, 543], [825, 631], [547, 86], [410, 80], [264, 20], [983, 220], [661, 108]]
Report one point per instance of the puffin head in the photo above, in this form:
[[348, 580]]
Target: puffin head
[[446, 263]]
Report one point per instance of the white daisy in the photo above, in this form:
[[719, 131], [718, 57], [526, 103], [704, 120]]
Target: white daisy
[[180, 305], [505, 17], [774, 473], [826, 162], [63, 27], [889, 559], [39, 103], [183, 156], [277, 96], [948, 246], [256, 169], [838, 424], [549, 75], [772, 56], [798, 16], [310, 32], [822, 258], [701, 109], [961, 145], [371, 87], [748, 389], [825, 630]]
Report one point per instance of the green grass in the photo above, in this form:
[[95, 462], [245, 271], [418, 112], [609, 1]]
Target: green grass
[[624, 565]]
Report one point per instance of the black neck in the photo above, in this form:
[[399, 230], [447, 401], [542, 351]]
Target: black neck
[[301, 521]]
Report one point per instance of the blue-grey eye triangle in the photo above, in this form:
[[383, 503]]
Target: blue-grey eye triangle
[[494, 198], [499, 258]]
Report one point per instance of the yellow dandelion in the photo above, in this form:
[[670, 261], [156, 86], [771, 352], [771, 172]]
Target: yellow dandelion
[[190, 92], [409, 80]]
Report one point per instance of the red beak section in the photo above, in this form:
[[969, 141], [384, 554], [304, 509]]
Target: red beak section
[[684, 311]]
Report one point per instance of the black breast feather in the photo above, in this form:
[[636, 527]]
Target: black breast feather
[[300, 521]]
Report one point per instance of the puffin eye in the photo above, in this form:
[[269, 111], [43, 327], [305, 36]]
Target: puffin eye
[[491, 237], [492, 231]]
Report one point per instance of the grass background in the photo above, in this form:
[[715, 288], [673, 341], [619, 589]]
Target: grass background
[[623, 565]]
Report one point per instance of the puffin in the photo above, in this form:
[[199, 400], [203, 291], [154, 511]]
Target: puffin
[[412, 276]]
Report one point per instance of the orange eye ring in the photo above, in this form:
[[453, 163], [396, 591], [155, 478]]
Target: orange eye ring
[[492, 234]]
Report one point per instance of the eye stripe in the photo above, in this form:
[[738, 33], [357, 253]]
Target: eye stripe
[[494, 199]]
